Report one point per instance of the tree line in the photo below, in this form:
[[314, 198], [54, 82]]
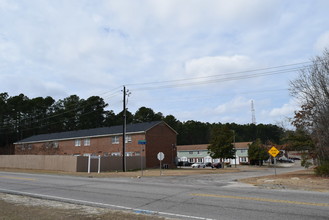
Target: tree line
[[22, 117]]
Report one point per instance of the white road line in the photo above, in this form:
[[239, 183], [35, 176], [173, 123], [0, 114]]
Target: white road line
[[100, 204]]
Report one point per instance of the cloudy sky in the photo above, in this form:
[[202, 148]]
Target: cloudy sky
[[201, 60]]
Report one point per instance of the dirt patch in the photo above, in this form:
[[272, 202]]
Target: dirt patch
[[299, 180], [20, 207]]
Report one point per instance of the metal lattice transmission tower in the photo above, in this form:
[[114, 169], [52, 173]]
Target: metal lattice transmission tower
[[253, 117]]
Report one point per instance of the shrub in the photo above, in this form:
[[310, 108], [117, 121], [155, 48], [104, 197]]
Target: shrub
[[323, 169], [305, 161]]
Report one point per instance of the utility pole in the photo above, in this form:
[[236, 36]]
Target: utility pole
[[124, 131], [234, 147], [253, 117]]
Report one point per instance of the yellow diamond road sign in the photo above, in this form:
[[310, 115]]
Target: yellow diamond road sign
[[274, 152]]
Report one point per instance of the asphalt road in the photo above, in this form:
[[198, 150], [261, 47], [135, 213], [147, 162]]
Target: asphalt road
[[184, 197]]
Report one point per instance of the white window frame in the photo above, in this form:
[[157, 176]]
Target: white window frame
[[55, 144], [116, 154], [77, 142], [86, 142], [129, 154], [183, 159], [200, 160], [128, 139], [243, 159], [115, 140]]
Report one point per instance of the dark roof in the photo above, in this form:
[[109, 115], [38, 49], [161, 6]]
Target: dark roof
[[103, 131], [195, 147]]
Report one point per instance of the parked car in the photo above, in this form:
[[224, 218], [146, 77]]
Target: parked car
[[198, 165], [208, 164], [286, 161], [184, 163], [216, 165], [294, 158]]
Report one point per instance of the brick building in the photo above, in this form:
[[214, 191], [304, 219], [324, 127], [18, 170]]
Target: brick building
[[107, 141]]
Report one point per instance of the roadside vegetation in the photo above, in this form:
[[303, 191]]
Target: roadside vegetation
[[311, 88]]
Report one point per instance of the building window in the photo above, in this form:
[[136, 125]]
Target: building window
[[128, 138], [77, 143], [86, 142], [116, 154], [243, 159], [243, 151], [55, 144], [198, 152], [190, 152], [115, 140], [200, 160], [191, 160], [129, 154]]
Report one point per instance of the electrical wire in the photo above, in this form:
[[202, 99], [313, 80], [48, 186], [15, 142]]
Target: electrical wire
[[230, 74], [218, 78]]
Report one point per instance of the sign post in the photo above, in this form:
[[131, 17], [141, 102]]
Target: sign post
[[142, 142], [160, 158], [99, 163], [274, 152], [89, 158]]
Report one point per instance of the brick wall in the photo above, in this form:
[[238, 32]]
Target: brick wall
[[98, 146], [160, 139]]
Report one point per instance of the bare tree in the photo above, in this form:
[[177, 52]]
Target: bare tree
[[311, 88]]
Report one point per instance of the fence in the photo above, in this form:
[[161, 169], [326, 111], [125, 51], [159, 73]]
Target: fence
[[68, 163]]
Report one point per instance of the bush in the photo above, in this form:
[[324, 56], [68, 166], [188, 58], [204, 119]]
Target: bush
[[323, 169]]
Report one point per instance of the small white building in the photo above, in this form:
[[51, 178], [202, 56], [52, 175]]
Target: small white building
[[199, 153]]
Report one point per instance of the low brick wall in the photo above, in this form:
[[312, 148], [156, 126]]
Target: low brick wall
[[68, 163]]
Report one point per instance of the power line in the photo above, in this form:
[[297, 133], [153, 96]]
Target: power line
[[228, 74], [210, 96], [233, 76]]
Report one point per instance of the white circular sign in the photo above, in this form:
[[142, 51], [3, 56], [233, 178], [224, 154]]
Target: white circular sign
[[160, 156]]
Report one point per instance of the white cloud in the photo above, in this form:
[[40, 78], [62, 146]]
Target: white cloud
[[234, 110], [286, 109], [233, 105], [218, 65], [8, 51], [79, 46], [322, 42]]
